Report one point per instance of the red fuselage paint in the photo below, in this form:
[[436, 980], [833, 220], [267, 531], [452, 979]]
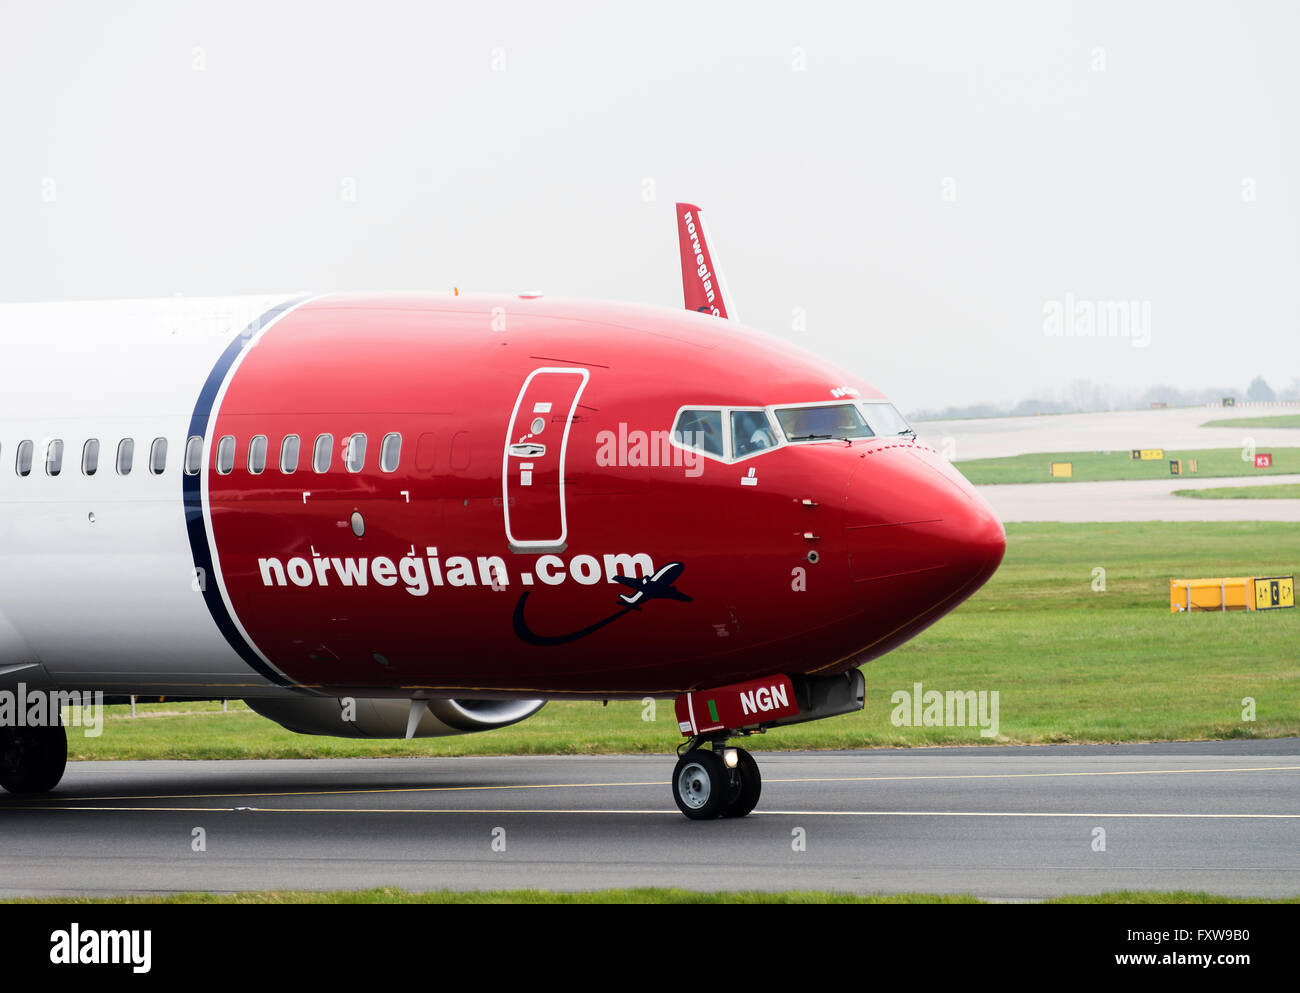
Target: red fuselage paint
[[428, 597]]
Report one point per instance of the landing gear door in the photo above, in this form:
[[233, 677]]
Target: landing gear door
[[532, 467]]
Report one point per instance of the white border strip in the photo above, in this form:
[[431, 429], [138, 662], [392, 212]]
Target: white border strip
[[205, 473]]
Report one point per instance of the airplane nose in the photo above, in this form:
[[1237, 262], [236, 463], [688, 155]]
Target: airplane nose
[[919, 538]]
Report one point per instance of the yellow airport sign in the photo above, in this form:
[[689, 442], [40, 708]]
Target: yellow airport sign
[[1231, 593], [1151, 454], [1272, 592], [1062, 469]]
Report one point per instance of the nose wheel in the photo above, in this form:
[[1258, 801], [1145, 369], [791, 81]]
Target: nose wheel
[[717, 782], [713, 779], [32, 759]]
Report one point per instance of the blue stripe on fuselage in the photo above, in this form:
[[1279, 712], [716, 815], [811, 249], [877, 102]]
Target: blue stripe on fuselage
[[193, 495]]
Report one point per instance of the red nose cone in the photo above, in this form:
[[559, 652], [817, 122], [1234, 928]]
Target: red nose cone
[[920, 540], [978, 541]]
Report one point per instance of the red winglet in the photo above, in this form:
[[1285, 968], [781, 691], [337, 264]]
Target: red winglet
[[701, 283]]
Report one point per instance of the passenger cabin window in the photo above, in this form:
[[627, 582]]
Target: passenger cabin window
[[390, 452], [323, 453], [226, 455], [23, 463], [822, 423], [289, 453], [125, 456], [700, 429], [750, 433], [257, 454], [354, 456], [426, 452], [193, 456], [158, 456], [90, 457], [885, 419], [54, 457]]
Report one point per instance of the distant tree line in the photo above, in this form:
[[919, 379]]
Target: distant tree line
[[1084, 396]]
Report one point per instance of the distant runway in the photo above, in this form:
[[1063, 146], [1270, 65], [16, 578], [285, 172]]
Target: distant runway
[[1136, 500], [1114, 431], [996, 822], [1118, 431]]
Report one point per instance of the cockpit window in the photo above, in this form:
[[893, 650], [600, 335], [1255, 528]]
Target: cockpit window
[[750, 433], [886, 420], [823, 423], [700, 429]]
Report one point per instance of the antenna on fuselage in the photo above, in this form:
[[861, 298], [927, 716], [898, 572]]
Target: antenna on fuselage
[[703, 286]]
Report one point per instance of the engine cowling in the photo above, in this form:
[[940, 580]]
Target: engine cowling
[[347, 717]]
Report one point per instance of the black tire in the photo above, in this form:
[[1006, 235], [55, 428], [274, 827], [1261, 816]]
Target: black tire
[[32, 759], [700, 785], [751, 786]]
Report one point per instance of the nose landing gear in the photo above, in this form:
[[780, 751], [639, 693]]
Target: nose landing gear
[[716, 782], [721, 781]]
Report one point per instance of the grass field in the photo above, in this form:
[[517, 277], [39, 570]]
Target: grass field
[[388, 894], [1273, 421], [1271, 491], [1068, 663], [1094, 466]]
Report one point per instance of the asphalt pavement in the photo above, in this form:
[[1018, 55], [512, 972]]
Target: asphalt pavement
[[998, 822]]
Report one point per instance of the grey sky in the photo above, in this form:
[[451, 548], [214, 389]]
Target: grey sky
[[208, 149]]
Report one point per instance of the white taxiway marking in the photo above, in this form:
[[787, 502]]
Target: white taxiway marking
[[763, 813], [663, 782]]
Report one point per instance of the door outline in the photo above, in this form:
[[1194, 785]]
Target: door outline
[[534, 545]]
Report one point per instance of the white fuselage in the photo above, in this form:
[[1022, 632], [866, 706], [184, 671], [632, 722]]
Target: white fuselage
[[98, 587]]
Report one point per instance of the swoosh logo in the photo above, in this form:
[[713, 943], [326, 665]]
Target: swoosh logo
[[659, 586], [525, 633]]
